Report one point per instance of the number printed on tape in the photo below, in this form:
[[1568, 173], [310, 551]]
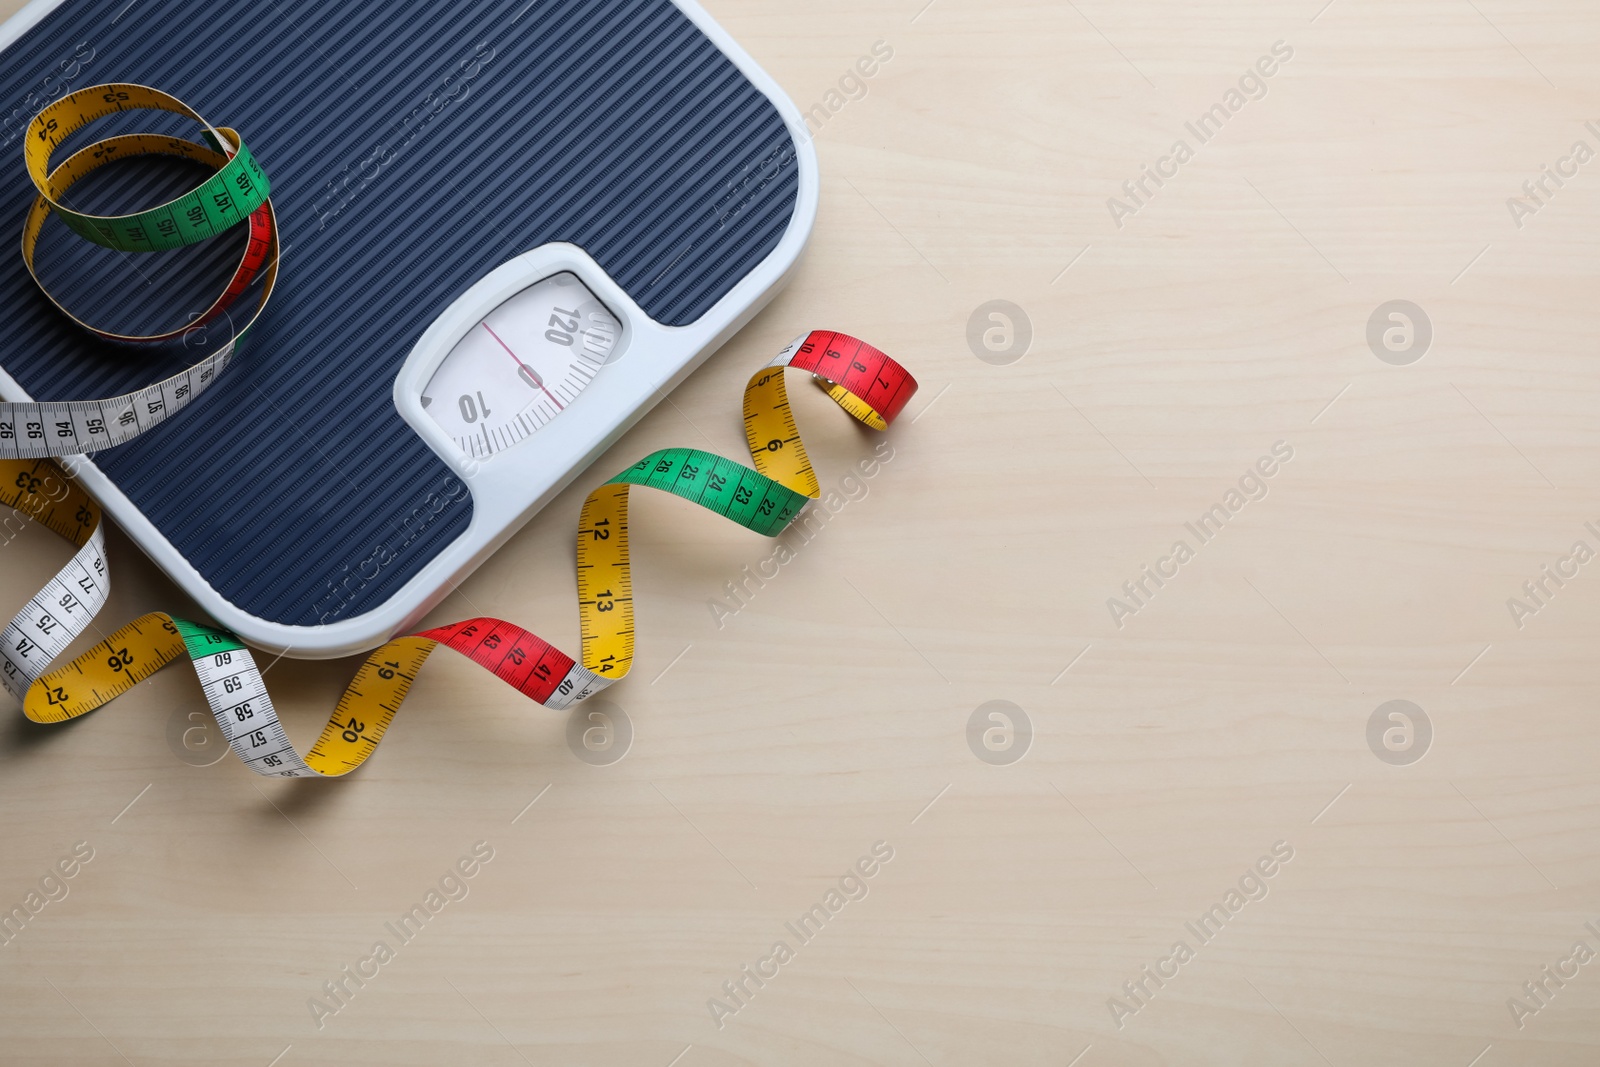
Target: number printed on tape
[[765, 498], [235, 194], [865, 382]]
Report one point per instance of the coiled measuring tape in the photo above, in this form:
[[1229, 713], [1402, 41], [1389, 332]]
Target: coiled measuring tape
[[868, 384], [865, 382], [236, 193]]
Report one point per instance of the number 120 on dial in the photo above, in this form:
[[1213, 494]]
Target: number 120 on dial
[[522, 366]]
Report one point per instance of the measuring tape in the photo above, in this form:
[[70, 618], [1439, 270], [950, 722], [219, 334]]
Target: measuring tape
[[865, 382], [868, 384], [236, 193]]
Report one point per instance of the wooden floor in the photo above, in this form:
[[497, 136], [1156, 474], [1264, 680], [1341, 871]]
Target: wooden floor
[[1223, 845]]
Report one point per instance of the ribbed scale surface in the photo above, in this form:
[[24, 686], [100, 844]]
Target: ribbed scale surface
[[613, 124]]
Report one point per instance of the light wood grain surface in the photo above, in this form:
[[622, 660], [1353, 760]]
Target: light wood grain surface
[[1228, 716]]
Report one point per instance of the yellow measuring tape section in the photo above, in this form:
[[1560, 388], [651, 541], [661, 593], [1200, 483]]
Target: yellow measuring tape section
[[235, 192], [106, 671], [37, 489], [150, 642], [764, 498], [605, 582], [768, 418], [221, 202]]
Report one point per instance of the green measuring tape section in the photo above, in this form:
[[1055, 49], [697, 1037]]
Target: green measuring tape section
[[203, 640], [221, 202], [730, 489]]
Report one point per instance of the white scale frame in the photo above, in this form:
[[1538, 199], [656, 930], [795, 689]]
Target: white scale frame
[[508, 488]]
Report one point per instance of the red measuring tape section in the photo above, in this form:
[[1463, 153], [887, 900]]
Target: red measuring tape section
[[764, 498], [864, 381], [523, 660], [859, 369], [861, 378]]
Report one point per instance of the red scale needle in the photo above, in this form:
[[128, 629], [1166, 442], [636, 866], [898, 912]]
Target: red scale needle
[[531, 372]]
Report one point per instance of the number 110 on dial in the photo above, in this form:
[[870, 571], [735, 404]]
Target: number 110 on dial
[[522, 366]]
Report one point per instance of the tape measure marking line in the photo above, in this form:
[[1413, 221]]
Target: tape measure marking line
[[68, 603], [824, 355], [33, 430], [24, 487], [238, 695], [719, 485], [53, 630], [219, 203], [252, 259], [239, 700]]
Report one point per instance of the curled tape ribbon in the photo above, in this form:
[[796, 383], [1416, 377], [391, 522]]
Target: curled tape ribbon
[[866, 383], [235, 194]]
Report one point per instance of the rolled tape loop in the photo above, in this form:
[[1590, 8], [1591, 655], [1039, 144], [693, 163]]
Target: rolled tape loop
[[218, 204], [764, 498], [236, 193]]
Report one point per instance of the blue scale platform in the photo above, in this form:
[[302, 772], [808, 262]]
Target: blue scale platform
[[413, 146]]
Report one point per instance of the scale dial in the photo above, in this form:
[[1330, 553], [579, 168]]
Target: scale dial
[[522, 366]]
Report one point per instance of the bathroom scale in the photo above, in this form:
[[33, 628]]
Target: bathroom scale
[[507, 229]]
